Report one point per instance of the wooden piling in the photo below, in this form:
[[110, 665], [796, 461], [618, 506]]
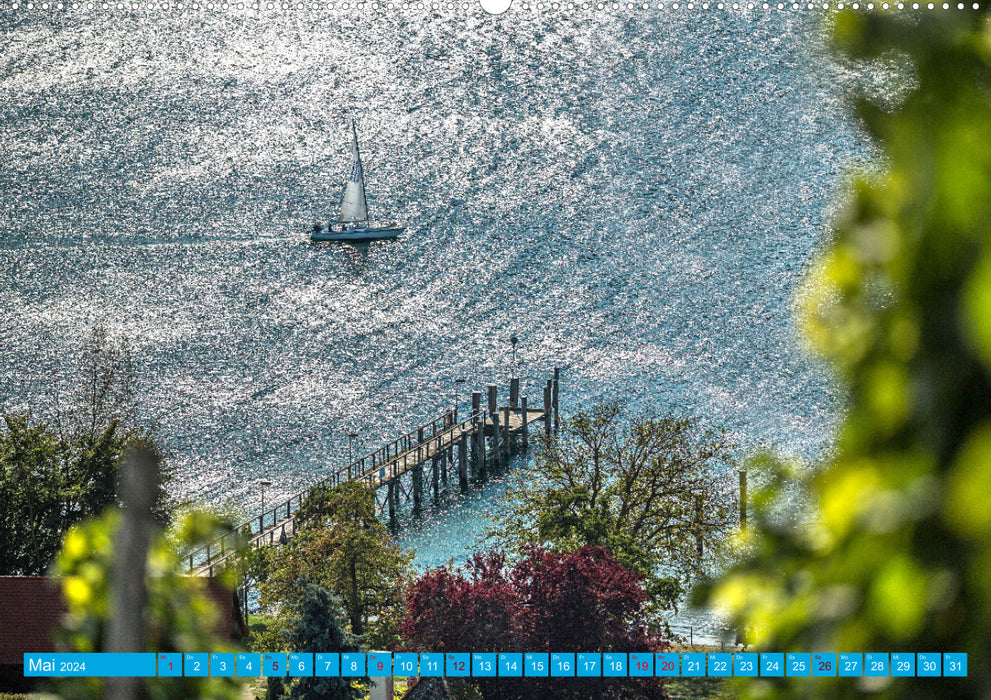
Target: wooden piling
[[443, 464], [435, 469], [557, 381], [480, 434], [496, 457], [417, 484], [480, 446], [392, 500], [493, 399], [449, 450], [524, 429], [547, 408], [463, 463], [514, 392], [476, 406], [505, 434]]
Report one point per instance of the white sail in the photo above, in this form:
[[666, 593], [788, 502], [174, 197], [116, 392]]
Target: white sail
[[353, 207]]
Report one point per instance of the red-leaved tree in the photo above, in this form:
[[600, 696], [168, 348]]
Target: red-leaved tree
[[584, 601], [447, 611]]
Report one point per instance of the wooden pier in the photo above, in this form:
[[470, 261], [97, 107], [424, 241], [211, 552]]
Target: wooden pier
[[446, 446]]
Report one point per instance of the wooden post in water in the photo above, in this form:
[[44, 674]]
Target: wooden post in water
[[480, 437], [743, 498], [419, 445], [496, 457], [547, 408], [450, 448], [435, 468], [493, 399], [463, 462], [514, 392], [526, 436], [505, 434], [557, 380], [443, 464], [392, 499], [417, 484], [476, 406]]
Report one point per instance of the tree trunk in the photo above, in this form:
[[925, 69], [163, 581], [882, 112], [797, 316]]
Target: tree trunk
[[355, 607]]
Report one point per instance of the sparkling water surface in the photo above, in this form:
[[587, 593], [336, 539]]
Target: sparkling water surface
[[636, 195]]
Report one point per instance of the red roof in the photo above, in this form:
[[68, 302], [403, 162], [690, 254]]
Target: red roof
[[30, 610], [32, 606]]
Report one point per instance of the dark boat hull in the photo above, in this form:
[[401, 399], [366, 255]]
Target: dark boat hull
[[358, 234]]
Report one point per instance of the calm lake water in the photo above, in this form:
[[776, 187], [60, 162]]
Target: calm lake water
[[635, 194]]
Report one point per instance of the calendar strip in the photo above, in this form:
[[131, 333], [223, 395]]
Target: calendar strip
[[507, 664]]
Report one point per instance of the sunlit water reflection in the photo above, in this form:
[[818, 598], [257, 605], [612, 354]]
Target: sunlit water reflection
[[634, 194]]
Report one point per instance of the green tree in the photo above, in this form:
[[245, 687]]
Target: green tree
[[52, 484], [653, 490], [56, 473], [896, 552], [341, 544], [102, 390], [97, 422], [316, 624], [33, 490]]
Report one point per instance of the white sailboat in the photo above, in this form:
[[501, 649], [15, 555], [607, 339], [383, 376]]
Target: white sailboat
[[353, 223]]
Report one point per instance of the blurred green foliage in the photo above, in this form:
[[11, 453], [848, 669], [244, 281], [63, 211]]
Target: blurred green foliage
[[180, 616], [896, 555]]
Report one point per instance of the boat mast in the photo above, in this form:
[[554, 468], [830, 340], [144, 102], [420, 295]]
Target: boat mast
[[361, 170]]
